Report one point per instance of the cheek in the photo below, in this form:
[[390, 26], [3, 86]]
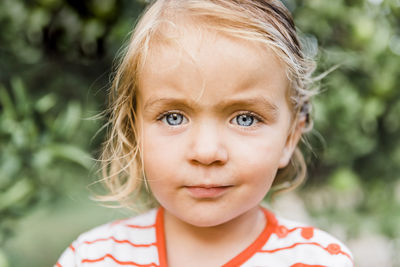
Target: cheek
[[164, 166], [257, 159], [161, 155], [263, 151], [157, 166]]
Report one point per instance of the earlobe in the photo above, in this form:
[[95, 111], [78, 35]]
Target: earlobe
[[291, 143]]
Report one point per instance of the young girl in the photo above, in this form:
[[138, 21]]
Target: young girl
[[209, 103]]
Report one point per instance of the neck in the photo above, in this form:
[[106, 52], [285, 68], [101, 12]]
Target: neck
[[243, 229]]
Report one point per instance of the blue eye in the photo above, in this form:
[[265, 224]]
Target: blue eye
[[173, 119], [245, 120]]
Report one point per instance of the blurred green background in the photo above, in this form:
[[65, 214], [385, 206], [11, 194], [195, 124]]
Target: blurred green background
[[56, 57]]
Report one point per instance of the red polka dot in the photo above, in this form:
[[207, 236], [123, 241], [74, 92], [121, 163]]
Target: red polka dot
[[307, 232], [281, 231], [333, 249]]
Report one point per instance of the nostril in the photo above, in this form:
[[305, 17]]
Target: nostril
[[208, 162], [210, 156], [207, 147]]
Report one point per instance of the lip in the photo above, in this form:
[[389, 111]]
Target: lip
[[207, 191]]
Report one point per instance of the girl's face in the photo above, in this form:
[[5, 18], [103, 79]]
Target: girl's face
[[214, 123]]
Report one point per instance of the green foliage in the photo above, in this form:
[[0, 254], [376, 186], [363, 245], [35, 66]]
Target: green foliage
[[55, 61], [35, 143], [357, 112], [56, 58]]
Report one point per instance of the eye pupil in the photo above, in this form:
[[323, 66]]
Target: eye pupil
[[244, 120], [174, 119]]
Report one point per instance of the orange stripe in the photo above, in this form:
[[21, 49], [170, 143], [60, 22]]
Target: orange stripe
[[306, 265], [131, 225], [160, 236], [118, 222], [140, 226], [119, 262], [304, 243], [347, 255], [294, 229], [119, 241], [72, 248], [58, 264], [246, 254], [292, 246]]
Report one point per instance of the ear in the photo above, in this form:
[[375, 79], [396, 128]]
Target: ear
[[292, 141]]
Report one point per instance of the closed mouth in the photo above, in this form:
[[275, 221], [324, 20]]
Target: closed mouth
[[207, 186], [207, 191]]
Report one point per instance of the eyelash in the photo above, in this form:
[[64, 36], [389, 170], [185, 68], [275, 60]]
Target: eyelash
[[169, 112], [257, 117], [165, 114]]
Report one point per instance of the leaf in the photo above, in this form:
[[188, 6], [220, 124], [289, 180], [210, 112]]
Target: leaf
[[70, 153], [21, 100], [10, 165], [45, 103], [16, 194], [42, 159], [9, 111], [67, 123], [344, 179]]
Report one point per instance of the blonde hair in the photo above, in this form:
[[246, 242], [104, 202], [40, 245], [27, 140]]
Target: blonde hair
[[264, 21]]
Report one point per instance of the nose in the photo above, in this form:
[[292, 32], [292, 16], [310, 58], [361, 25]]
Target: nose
[[207, 146]]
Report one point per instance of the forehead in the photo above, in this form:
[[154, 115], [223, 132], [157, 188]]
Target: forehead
[[195, 54]]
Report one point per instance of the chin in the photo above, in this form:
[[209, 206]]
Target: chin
[[211, 220], [206, 222]]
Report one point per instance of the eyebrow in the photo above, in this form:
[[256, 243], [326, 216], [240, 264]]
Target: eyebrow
[[161, 102], [255, 102], [260, 103]]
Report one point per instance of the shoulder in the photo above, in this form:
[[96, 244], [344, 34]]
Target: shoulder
[[298, 244], [130, 240], [141, 226]]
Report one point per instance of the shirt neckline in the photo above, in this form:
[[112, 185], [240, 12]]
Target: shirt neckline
[[239, 259]]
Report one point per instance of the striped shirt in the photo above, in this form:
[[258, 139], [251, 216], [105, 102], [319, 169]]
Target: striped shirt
[[139, 241]]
